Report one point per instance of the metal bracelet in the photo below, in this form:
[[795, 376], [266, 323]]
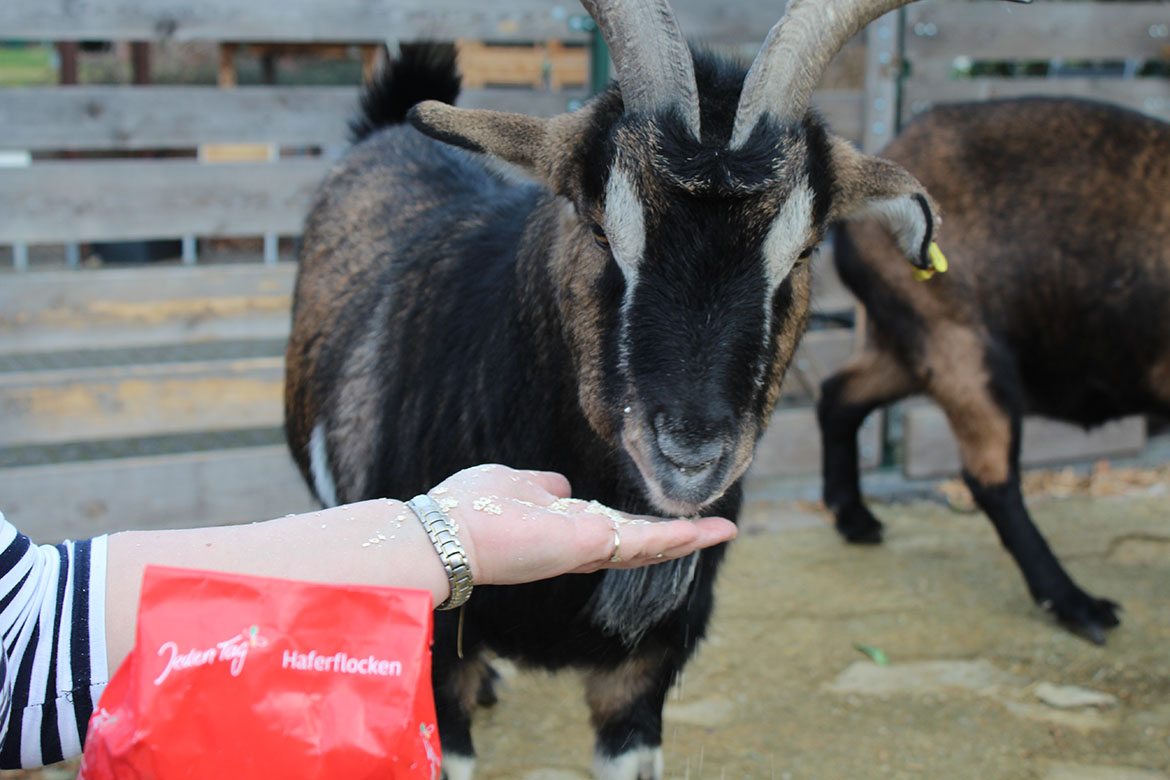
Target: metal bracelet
[[442, 533]]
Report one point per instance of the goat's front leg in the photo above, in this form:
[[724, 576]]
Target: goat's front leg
[[869, 380], [988, 433], [626, 708]]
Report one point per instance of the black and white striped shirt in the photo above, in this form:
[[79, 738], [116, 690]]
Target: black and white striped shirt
[[53, 664]]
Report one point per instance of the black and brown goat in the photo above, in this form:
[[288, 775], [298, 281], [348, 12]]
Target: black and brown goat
[[1057, 303], [624, 315]]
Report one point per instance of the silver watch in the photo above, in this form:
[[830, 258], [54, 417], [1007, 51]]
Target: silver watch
[[442, 532]]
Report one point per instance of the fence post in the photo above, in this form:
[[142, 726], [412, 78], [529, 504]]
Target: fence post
[[883, 76]]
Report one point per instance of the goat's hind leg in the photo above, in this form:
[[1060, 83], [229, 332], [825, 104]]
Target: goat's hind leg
[[870, 379], [626, 709], [983, 411]]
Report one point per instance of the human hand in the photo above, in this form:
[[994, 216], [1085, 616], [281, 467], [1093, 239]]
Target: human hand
[[520, 526]]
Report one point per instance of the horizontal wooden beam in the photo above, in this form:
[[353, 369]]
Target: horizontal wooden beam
[[1150, 96], [792, 444], [80, 500], [931, 451], [135, 307], [285, 20], [351, 20], [123, 200], [110, 117], [820, 354], [47, 407], [938, 32]]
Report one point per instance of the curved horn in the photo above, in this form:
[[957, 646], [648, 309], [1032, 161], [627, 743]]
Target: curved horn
[[653, 61], [795, 55]]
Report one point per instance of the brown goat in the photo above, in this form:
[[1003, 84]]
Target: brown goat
[[1057, 302]]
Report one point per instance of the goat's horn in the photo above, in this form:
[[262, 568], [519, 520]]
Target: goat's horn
[[795, 55], [653, 61]]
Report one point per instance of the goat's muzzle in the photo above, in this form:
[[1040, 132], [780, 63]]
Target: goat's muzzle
[[687, 462]]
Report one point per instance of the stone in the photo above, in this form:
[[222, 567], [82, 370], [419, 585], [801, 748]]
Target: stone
[[866, 677], [1140, 551], [1069, 697], [1079, 772], [1082, 720], [699, 712]]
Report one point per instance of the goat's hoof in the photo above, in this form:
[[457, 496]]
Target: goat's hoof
[[1086, 615], [858, 525]]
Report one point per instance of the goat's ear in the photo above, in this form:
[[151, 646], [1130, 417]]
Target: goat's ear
[[872, 187], [514, 138]]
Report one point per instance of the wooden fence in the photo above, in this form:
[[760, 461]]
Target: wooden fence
[[151, 396]]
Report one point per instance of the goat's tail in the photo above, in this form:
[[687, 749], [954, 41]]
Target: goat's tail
[[420, 72]]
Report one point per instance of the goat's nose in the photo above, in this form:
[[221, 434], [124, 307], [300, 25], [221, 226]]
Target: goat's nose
[[689, 444]]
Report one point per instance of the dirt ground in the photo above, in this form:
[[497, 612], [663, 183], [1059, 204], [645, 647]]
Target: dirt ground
[[980, 683], [780, 689]]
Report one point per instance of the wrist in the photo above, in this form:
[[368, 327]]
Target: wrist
[[443, 534]]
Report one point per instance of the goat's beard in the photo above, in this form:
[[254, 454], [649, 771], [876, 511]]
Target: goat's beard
[[629, 602]]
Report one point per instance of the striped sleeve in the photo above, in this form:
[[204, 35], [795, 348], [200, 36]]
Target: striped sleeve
[[52, 619]]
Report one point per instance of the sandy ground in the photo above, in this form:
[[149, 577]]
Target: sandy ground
[[980, 683], [780, 690]]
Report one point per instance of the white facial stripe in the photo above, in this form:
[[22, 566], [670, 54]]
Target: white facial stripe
[[904, 219], [788, 236], [786, 239], [625, 225]]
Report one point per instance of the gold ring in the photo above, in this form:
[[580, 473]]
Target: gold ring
[[617, 545]]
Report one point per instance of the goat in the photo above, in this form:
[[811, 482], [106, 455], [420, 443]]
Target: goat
[[1057, 302], [623, 314]]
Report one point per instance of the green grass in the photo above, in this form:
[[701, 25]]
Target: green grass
[[27, 65]]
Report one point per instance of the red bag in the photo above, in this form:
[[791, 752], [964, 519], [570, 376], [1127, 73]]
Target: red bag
[[266, 679]]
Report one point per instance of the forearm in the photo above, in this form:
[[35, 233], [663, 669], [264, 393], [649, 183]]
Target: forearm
[[377, 542]]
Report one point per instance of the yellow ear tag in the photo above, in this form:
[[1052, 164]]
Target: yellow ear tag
[[937, 258], [938, 262]]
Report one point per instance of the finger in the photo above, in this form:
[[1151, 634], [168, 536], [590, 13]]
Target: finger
[[673, 539], [550, 481]]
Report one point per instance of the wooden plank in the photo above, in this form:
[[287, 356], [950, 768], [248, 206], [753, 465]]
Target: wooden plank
[[120, 200], [883, 69], [938, 32], [792, 444], [350, 20], [134, 307], [531, 65], [283, 20], [931, 451], [47, 407], [819, 354], [1148, 95], [80, 500], [829, 293], [109, 117]]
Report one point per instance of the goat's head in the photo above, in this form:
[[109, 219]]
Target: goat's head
[[693, 196]]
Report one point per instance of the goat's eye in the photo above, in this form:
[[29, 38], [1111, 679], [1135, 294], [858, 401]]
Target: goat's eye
[[807, 253], [599, 237]]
